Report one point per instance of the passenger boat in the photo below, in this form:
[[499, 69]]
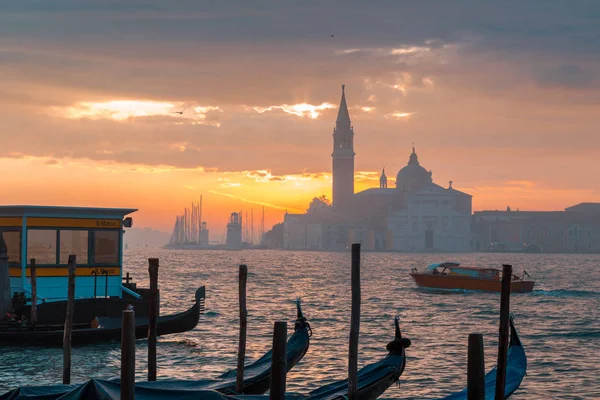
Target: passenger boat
[[451, 275], [50, 234], [257, 379], [516, 369], [107, 328], [95, 236]]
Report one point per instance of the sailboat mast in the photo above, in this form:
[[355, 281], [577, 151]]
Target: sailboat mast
[[242, 222], [262, 225], [246, 227], [200, 213]]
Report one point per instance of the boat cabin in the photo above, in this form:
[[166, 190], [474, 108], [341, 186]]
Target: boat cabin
[[50, 234], [453, 268]]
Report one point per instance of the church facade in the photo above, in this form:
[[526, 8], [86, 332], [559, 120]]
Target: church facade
[[415, 215]]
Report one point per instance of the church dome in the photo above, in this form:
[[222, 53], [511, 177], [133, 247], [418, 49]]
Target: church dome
[[413, 176]]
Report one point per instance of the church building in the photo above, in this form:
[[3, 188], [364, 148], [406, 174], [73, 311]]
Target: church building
[[415, 215]]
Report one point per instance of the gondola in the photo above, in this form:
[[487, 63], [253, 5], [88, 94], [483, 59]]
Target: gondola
[[86, 309], [257, 378], [108, 329], [373, 379], [516, 368]]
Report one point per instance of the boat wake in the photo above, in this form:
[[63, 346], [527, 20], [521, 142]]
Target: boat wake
[[566, 293], [590, 334]]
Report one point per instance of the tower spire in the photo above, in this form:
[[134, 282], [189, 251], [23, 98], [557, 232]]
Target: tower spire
[[383, 179], [343, 157], [413, 159], [343, 118]]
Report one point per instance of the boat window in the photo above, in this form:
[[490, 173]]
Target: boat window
[[13, 245], [464, 272], [73, 242], [106, 247], [41, 245]]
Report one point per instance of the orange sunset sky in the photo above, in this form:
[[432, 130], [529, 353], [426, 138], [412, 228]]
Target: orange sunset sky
[[501, 98]]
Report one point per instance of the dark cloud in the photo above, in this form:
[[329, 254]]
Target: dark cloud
[[468, 80], [569, 76], [550, 25]]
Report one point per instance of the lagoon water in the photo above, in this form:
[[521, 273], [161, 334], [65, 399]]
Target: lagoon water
[[559, 323]]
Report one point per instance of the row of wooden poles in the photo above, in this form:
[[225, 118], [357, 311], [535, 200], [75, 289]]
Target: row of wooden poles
[[475, 368], [128, 327], [279, 360], [279, 354]]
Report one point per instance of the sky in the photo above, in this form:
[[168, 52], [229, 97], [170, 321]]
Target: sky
[[149, 104]]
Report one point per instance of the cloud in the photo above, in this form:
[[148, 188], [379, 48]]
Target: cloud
[[261, 203], [123, 110], [52, 162], [568, 76], [179, 146], [521, 184], [266, 176], [299, 110], [402, 115], [366, 175], [476, 74]]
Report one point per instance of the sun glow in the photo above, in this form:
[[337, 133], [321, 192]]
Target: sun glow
[[300, 110], [122, 110], [409, 50], [401, 115]]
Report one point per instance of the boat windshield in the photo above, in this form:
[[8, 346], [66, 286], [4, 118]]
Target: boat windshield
[[462, 271]]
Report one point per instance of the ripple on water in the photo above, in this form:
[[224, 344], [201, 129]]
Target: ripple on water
[[558, 322]]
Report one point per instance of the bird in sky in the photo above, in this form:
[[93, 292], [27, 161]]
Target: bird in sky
[[178, 112]]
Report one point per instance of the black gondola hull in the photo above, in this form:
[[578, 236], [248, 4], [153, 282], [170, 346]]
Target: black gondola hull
[[83, 334], [256, 379]]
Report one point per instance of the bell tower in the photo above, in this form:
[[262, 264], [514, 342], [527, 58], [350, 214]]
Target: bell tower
[[343, 157]]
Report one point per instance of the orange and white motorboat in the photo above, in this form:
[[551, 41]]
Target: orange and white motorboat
[[451, 275]]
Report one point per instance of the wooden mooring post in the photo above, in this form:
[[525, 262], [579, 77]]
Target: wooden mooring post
[[239, 382], [5, 291], [279, 361], [354, 325], [69, 321], [128, 355], [476, 368], [503, 335], [152, 317], [33, 317]]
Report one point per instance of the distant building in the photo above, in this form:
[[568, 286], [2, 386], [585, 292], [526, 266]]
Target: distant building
[[574, 230], [416, 215], [204, 237], [234, 232]]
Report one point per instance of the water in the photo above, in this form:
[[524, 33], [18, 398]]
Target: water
[[558, 323]]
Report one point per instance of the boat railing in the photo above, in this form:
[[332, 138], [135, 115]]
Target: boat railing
[[130, 292], [29, 294]]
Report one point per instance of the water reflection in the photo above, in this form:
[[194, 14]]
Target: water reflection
[[558, 322]]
